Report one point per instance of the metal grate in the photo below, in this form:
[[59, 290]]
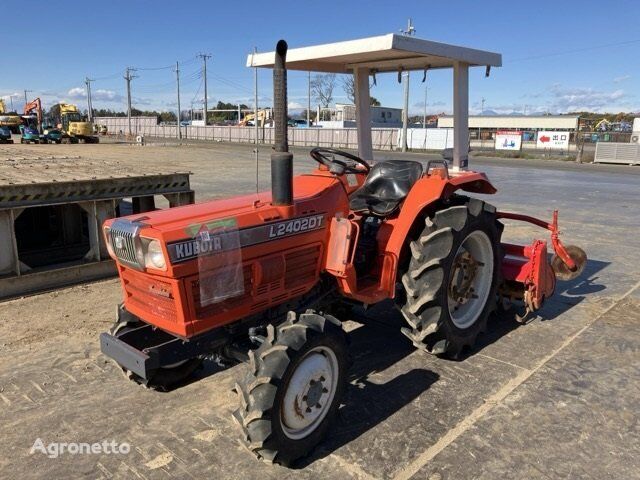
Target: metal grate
[[124, 236]]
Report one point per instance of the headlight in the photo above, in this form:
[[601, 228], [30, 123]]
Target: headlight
[[153, 256], [107, 241]]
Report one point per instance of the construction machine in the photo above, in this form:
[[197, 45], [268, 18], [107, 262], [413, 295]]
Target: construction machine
[[31, 109], [11, 120], [249, 119], [5, 135], [68, 118], [259, 278]]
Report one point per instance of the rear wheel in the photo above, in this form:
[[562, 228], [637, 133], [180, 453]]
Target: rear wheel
[[451, 281], [292, 393]]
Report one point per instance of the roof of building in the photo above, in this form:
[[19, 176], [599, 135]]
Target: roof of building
[[384, 53], [516, 121], [517, 117]]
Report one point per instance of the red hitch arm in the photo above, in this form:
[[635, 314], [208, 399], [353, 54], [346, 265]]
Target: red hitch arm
[[558, 247]]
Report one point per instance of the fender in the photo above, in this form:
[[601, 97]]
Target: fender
[[428, 190]]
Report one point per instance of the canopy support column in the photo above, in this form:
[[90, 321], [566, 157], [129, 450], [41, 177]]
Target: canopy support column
[[363, 113], [460, 116]]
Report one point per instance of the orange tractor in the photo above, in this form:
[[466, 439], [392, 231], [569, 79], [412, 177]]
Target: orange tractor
[[257, 278]]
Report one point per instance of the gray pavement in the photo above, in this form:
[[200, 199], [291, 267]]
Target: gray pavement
[[556, 398]]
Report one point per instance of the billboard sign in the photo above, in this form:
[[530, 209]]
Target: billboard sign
[[508, 140], [550, 140]]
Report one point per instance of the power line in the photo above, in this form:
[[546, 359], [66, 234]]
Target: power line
[[577, 50], [197, 91], [107, 77]]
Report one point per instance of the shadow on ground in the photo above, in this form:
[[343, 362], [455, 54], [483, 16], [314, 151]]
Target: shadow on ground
[[378, 344]]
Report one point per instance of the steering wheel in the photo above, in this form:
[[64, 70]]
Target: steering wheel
[[347, 164]]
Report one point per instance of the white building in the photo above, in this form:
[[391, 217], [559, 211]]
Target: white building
[[344, 116], [516, 122]]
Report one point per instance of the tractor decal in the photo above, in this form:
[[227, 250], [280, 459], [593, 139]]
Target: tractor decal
[[207, 242]]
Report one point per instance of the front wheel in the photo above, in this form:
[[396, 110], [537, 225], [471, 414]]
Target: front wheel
[[451, 282], [292, 393]]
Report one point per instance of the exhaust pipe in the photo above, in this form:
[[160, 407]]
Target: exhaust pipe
[[281, 159]]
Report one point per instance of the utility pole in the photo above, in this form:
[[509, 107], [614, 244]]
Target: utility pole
[[424, 118], [178, 88], [25, 97], [309, 99], [128, 77], [482, 108], [11, 100], [87, 82], [255, 120], [410, 31], [204, 57]]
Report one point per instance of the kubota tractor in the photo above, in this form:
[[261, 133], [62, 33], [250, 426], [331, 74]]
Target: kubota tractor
[[257, 277]]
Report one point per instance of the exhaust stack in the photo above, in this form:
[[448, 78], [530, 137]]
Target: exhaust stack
[[281, 159]]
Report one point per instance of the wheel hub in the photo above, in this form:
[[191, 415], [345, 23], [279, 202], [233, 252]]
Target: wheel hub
[[309, 393], [463, 275], [470, 279]]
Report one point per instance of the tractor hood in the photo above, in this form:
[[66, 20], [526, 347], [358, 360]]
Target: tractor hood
[[184, 222]]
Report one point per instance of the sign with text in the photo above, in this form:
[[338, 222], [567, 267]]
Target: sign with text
[[508, 140], [550, 140]]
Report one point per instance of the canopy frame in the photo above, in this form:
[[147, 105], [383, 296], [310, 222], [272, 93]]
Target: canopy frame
[[392, 53]]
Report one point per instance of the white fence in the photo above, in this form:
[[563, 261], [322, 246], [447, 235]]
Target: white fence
[[427, 138], [382, 138]]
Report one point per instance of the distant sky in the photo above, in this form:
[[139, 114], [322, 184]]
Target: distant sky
[[558, 55]]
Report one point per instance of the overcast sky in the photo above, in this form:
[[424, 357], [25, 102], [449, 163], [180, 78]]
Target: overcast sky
[[557, 56]]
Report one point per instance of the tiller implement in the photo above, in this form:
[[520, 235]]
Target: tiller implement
[[262, 278]]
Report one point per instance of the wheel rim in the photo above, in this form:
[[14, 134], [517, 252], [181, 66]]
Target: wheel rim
[[470, 280], [310, 393]]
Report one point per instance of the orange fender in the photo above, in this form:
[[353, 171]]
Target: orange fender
[[426, 191]]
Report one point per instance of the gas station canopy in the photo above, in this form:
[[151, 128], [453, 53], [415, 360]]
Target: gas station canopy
[[384, 53]]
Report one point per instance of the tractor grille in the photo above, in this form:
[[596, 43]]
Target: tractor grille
[[124, 236], [151, 295]]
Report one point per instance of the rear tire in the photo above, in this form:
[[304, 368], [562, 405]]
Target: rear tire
[[292, 392], [451, 282]]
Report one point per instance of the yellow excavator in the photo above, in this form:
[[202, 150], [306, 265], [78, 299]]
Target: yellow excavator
[[68, 118], [263, 115], [11, 120]]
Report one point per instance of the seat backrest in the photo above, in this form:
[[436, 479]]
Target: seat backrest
[[392, 179]]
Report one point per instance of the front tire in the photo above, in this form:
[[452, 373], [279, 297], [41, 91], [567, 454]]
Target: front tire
[[292, 393], [451, 282]]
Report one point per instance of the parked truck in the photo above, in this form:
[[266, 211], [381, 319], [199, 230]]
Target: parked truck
[[70, 120]]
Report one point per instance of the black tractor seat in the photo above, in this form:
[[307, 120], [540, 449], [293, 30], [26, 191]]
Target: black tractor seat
[[386, 186]]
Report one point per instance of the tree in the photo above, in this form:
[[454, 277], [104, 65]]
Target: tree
[[349, 87], [322, 88]]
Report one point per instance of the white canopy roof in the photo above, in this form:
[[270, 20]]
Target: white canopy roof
[[384, 53]]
